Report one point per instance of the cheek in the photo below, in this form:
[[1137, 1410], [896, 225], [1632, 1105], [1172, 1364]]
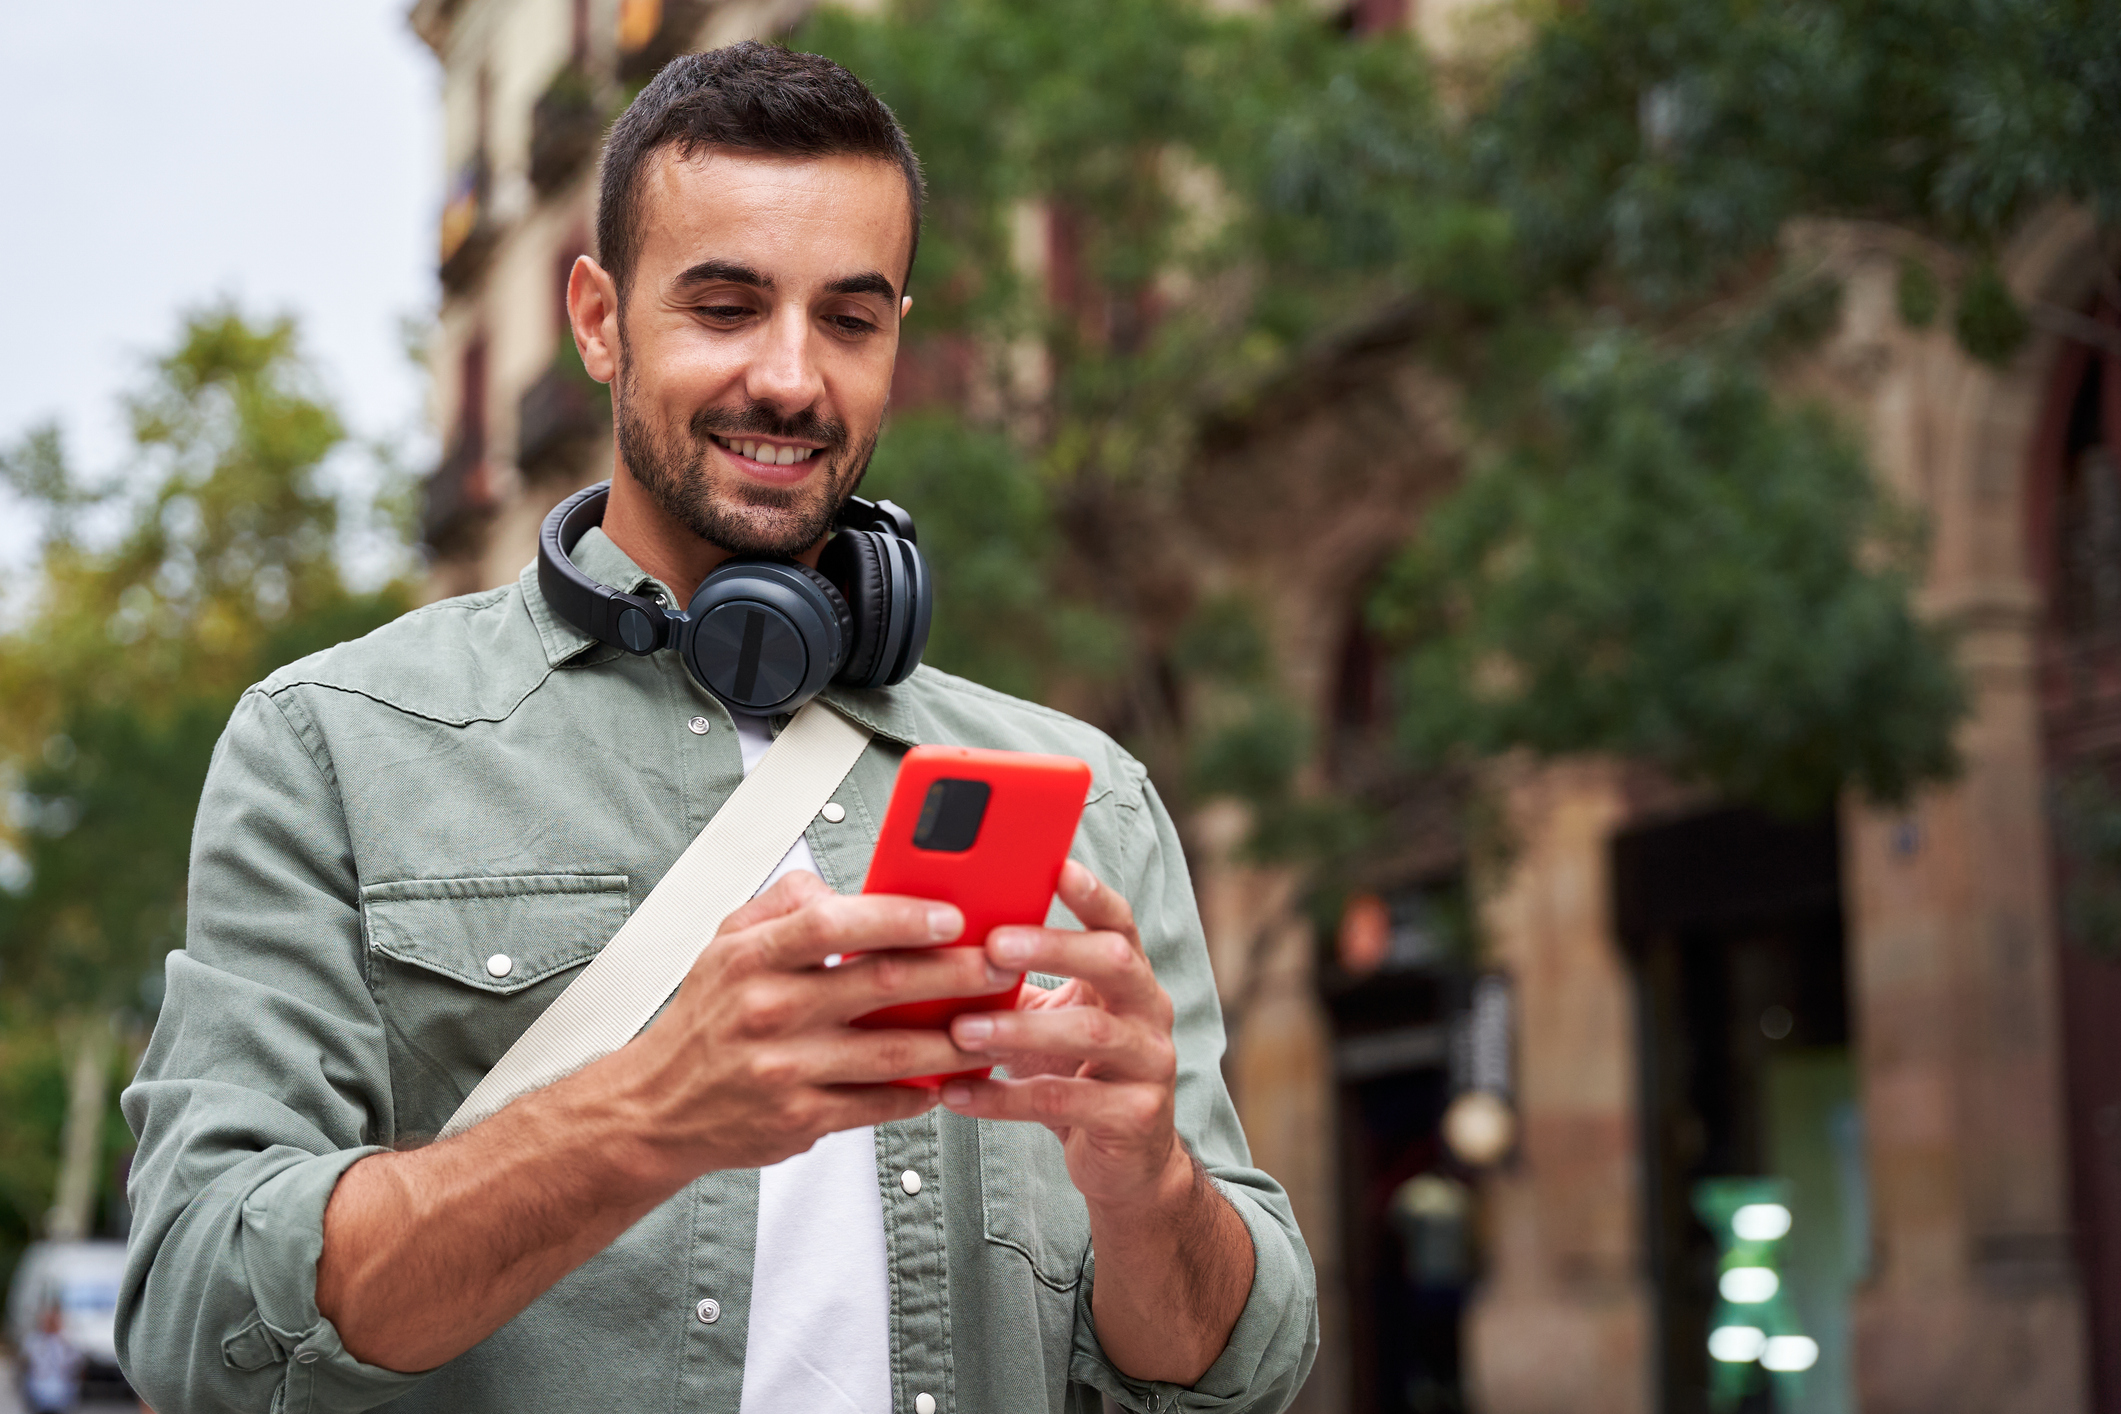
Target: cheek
[[860, 383], [682, 375]]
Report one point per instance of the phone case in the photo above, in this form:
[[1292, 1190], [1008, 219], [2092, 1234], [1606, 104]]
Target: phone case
[[1006, 873]]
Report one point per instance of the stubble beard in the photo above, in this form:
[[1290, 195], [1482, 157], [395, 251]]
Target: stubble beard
[[671, 465]]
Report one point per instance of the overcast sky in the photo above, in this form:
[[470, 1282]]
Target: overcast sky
[[157, 156]]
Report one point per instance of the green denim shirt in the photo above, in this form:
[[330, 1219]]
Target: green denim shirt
[[479, 778]]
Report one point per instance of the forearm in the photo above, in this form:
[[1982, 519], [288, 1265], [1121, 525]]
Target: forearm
[[1173, 1276], [428, 1252]]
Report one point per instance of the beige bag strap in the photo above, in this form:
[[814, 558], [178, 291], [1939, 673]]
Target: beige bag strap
[[627, 983]]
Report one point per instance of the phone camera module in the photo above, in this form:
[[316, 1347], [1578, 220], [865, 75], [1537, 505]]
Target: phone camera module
[[951, 815]]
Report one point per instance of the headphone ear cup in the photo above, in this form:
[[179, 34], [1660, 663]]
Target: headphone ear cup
[[913, 600], [854, 561], [841, 610]]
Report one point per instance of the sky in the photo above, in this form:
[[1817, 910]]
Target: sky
[[160, 156]]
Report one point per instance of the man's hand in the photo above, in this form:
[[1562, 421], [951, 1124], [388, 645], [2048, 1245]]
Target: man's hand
[[1093, 1061], [754, 1059], [429, 1251]]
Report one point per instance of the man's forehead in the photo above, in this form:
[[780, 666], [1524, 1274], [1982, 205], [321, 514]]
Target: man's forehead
[[792, 217]]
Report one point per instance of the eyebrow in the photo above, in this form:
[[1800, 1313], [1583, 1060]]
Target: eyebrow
[[869, 282], [711, 272]]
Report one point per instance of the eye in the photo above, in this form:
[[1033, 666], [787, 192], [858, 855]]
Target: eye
[[725, 313], [852, 324]]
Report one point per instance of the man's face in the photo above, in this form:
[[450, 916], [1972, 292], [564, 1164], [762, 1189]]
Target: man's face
[[757, 338]]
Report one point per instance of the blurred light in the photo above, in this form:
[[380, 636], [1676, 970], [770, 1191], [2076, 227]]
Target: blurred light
[[1776, 1022], [1480, 1128], [1747, 1286], [1761, 1222], [1790, 1352], [1365, 937], [1736, 1345]]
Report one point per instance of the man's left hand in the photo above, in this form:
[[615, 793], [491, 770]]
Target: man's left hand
[[1092, 1059]]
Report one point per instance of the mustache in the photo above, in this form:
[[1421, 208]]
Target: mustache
[[761, 420]]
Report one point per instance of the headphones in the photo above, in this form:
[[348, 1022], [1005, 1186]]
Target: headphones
[[764, 634]]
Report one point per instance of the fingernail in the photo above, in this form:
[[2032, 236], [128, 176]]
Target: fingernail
[[1001, 979], [945, 922], [1011, 945], [957, 1094], [973, 1030]]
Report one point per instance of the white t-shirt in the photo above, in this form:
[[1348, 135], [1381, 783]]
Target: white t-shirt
[[820, 1336]]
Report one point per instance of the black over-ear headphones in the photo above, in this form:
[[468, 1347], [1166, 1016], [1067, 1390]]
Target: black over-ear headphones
[[764, 634]]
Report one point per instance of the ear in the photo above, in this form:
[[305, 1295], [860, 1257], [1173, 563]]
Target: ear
[[905, 306], [593, 314]]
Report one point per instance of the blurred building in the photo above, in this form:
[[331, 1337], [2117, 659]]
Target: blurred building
[[1898, 1029]]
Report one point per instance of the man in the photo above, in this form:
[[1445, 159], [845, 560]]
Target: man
[[407, 845]]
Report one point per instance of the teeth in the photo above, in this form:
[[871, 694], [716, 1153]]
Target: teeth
[[768, 454]]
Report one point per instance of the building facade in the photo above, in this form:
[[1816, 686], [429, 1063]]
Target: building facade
[[1897, 1027]]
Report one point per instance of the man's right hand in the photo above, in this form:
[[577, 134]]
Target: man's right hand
[[429, 1251], [754, 1060]]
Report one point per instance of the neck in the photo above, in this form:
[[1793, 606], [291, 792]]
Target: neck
[[660, 544]]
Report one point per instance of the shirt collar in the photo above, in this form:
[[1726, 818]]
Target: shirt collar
[[596, 556], [887, 711]]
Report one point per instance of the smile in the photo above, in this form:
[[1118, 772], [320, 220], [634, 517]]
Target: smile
[[765, 453]]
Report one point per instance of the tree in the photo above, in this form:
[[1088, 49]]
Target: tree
[[1583, 235], [119, 680]]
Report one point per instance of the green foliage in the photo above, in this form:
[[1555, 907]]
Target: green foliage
[[987, 531], [1989, 323], [1656, 147], [1917, 294], [32, 1117], [119, 682], [1224, 195], [1672, 568]]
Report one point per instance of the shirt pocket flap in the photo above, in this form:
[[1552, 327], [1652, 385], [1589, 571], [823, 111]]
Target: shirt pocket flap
[[1028, 1202], [526, 927]]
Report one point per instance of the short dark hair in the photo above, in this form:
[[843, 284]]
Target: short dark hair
[[752, 97]]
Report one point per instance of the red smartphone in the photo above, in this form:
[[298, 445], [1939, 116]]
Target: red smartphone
[[987, 831]]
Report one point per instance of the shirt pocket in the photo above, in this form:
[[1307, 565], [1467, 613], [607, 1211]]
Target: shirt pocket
[[1029, 1204], [459, 968]]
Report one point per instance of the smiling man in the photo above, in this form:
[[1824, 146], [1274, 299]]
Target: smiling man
[[409, 846]]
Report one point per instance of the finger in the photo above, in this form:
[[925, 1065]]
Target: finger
[[842, 1056], [788, 893], [1113, 963], [852, 1106], [1108, 1110], [1095, 903], [1124, 1047], [888, 978], [835, 924]]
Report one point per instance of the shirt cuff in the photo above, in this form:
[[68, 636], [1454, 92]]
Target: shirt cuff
[[1270, 1350], [283, 1236]]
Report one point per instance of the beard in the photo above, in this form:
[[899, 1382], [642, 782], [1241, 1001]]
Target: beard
[[671, 464]]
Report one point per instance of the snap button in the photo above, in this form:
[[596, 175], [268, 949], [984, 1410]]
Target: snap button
[[910, 1181], [924, 1403], [306, 1357], [710, 1311], [833, 813], [699, 726], [500, 965]]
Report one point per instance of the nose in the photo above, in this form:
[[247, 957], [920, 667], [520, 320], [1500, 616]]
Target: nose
[[784, 372]]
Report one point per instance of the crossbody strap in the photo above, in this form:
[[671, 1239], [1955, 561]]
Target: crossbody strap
[[626, 983]]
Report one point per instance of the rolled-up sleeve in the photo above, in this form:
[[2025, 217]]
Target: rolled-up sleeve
[[265, 1080], [1275, 1340]]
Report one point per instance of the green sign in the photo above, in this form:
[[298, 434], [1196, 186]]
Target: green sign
[[1752, 1328]]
